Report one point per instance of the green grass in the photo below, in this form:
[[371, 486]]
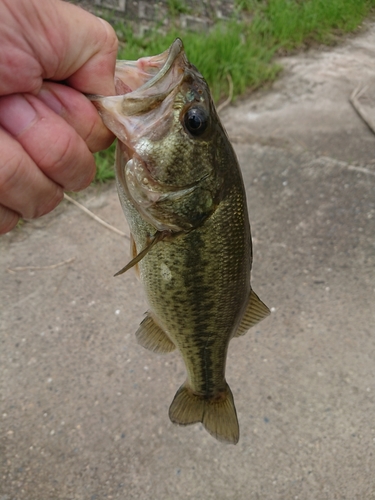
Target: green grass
[[104, 165], [176, 7], [228, 49], [244, 48], [289, 24]]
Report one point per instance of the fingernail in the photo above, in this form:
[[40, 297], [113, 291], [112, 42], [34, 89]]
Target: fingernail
[[50, 100], [16, 114]]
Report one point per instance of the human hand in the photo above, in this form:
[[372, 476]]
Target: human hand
[[51, 52]]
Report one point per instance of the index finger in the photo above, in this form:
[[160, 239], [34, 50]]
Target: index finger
[[55, 40]]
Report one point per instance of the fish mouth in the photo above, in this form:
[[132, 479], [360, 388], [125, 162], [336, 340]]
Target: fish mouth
[[140, 115], [149, 72], [145, 90]]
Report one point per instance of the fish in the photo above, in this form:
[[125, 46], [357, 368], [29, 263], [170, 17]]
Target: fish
[[182, 193]]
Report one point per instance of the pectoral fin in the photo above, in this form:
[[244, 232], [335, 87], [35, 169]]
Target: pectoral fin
[[256, 310], [133, 254], [158, 237], [152, 337]]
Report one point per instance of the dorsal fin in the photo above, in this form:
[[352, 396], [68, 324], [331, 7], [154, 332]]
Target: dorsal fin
[[256, 310], [152, 337]]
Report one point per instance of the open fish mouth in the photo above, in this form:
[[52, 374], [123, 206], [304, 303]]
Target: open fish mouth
[[153, 96], [148, 72], [144, 89]]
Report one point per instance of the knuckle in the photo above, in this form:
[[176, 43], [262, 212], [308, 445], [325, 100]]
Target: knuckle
[[8, 220], [23, 189], [11, 168], [57, 152], [50, 203], [63, 150], [111, 41], [98, 137], [67, 161], [91, 136]]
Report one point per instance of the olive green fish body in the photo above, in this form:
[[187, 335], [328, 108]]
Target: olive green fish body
[[197, 287], [182, 193]]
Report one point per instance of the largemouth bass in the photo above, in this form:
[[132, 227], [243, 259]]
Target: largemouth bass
[[182, 193]]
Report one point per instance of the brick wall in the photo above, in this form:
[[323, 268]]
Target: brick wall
[[197, 15]]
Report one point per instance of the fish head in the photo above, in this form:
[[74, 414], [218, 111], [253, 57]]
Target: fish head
[[168, 132]]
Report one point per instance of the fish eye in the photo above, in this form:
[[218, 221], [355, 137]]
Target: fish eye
[[196, 121]]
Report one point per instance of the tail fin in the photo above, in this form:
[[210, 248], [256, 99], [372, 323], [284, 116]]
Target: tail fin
[[218, 415]]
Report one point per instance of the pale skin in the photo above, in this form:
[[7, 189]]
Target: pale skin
[[52, 53]]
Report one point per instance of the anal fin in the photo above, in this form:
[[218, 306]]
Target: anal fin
[[217, 414], [256, 310], [152, 337]]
